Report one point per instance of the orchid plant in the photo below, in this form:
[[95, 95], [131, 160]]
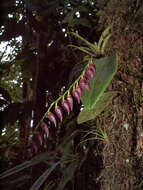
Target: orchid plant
[[88, 87]]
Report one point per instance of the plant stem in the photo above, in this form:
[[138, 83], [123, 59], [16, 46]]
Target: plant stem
[[57, 100]]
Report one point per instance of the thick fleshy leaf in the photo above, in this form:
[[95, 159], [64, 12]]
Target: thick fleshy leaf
[[52, 118], [45, 129], [105, 70], [35, 160], [68, 175], [68, 172], [102, 103], [58, 112], [76, 95], [37, 184], [66, 106], [70, 102]]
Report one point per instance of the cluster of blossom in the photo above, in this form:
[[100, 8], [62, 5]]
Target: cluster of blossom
[[66, 104]]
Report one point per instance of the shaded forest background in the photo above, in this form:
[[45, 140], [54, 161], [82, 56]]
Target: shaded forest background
[[41, 66]]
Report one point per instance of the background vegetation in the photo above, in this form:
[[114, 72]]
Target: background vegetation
[[37, 66]]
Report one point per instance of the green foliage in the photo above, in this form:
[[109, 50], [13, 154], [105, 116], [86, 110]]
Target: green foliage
[[97, 134], [72, 21], [35, 160], [96, 49], [48, 158], [91, 47], [89, 114], [43, 177], [104, 39], [68, 174], [105, 70]]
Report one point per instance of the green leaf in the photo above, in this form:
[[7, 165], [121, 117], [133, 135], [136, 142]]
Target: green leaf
[[43, 177], [67, 139], [103, 36], [21, 179], [105, 70], [66, 153], [69, 18], [84, 22], [105, 43], [32, 162], [81, 21], [19, 62], [83, 49], [5, 94], [81, 8], [68, 174], [93, 47], [102, 103]]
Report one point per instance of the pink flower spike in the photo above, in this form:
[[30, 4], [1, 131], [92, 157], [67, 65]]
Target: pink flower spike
[[66, 107], [45, 129], [70, 102], [52, 118], [76, 95], [58, 112]]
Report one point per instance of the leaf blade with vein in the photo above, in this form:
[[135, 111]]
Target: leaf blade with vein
[[105, 70], [89, 114], [43, 177]]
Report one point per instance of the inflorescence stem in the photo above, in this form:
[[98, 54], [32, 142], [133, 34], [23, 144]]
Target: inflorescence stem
[[58, 99]]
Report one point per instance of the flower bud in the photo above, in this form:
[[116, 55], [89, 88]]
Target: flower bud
[[58, 112], [52, 118], [45, 130], [78, 89], [92, 67], [70, 102], [84, 84], [76, 95], [89, 73], [66, 107]]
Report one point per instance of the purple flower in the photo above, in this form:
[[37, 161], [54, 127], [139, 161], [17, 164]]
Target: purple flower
[[45, 129], [66, 107], [52, 118], [76, 95], [58, 112], [70, 102], [84, 84], [79, 90], [92, 67], [89, 73]]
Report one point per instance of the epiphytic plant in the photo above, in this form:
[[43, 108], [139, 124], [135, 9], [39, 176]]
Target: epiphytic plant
[[88, 87], [96, 49], [66, 102]]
